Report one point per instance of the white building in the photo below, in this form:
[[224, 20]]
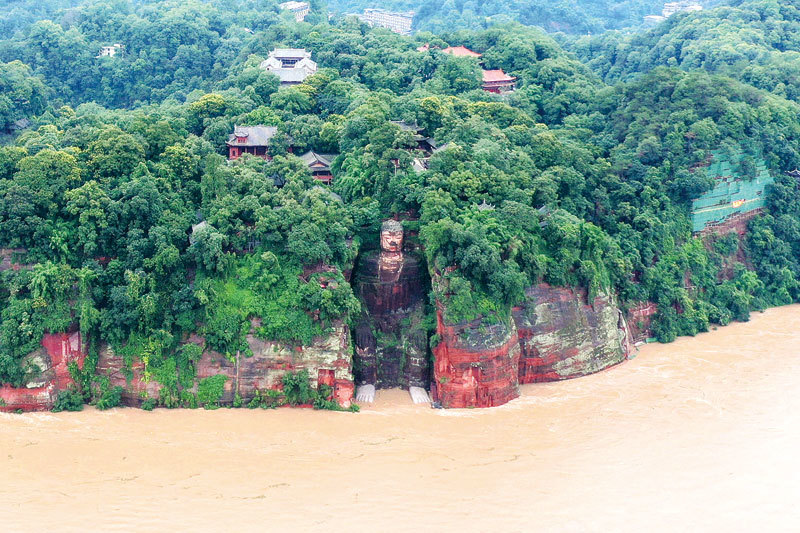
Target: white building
[[670, 8], [291, 65], [653, 20], [397, 22], [300, 9], [111, 51]]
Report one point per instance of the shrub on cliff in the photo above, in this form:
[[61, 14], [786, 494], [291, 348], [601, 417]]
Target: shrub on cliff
[[110, 398], [297, 389], [68, 400], [209, 391]]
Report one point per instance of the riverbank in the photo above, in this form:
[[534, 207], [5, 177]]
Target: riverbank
[[700, 434]]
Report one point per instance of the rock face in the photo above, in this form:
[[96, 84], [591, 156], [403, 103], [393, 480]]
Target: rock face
[[475, 365], [40, 393], [554, 335], [136, 389], [9, 259], [328, 361], [562, 337], [640, 317]]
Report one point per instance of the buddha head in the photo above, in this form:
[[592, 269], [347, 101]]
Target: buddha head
[[392, 236]]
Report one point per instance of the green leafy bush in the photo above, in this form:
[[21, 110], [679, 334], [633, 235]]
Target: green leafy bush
[[297, 389], [210, 390], [68, 400], [110, 398]]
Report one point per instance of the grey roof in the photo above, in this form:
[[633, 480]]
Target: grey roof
[[405, 126], [22, 123], [420, 165], [310, 157], [290, 52], [256, 135]]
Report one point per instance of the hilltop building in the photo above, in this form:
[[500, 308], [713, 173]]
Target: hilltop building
[[653, 20], [252, 140], [397, 22], [494, 81], [291, 65], [300, 9], [111, 51], [670, 8], [498, 82], [320, 165], [460, 51]]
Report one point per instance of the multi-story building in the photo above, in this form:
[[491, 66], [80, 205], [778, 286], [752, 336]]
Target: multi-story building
[[111, 51], [670, 8], [397, 22], [300, 9], [497, 81], [253, 140], [291, 65]]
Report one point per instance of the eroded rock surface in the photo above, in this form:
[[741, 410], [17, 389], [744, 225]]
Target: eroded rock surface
[[562, 336], [475, 364], [49, 374], [328, 361], [554, 334]]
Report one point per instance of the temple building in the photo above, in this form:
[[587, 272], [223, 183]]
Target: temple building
[[460, 51], [426, 144], [319, 165], [291, 65], [252, 140], [497, 81], [299, 9], [397, 22], [494, 81]]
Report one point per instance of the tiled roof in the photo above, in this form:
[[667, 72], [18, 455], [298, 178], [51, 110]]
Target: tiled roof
[[254, 135], [496, 75], [290, 52], [460, 51], [312, 157]]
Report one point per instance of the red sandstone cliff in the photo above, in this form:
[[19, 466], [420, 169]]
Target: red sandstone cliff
[[328, 361], [475, 364], [562, 336], [555, 334], [58, 351]]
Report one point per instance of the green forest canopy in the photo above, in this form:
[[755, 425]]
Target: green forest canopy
[[578, 178]]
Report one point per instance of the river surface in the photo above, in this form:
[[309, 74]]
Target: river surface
[[699, 435]]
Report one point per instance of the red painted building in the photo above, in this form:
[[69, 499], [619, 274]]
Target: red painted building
[[252, 140], [320, 165], [497, 81]]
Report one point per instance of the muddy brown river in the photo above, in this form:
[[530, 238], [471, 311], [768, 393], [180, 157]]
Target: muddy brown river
[[699, 435]]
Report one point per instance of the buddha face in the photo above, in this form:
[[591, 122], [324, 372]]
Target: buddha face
[[392, 237]]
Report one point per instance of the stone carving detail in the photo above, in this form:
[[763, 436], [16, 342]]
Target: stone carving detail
[[391, 344]]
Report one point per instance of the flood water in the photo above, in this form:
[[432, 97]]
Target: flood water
[[699, 435]]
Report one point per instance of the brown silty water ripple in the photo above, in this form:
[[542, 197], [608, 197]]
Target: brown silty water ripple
[[699, 435]]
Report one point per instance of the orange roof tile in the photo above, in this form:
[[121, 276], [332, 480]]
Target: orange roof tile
[[496, 75], [460, 51]]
